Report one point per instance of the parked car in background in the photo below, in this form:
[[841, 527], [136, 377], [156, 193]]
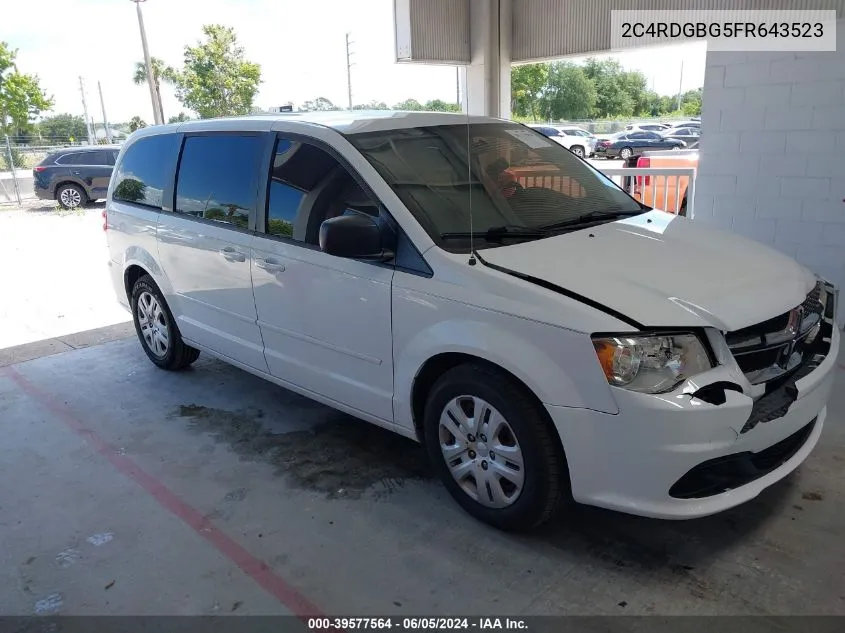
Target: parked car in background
[[578, 141], [651, 127], [696, 123], [547, 343], [627, 144], [75, 176], [689, 135]]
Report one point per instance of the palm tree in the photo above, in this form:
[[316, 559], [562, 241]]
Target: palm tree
[[160, 71]]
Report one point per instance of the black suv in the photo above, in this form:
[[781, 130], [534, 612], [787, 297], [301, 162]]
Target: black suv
[[75, 176]]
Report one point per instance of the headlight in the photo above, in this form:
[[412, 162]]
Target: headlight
[[651, 364]]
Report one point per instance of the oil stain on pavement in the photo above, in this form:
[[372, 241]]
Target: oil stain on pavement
[[341, 458]]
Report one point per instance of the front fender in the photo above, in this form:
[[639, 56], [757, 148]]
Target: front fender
[[558, 365]]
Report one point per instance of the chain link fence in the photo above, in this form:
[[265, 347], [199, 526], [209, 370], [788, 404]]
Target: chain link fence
[[17, 161]]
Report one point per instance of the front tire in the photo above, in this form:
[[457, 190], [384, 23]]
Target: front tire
[[578, 151], [156, 327], [626, 153], [495, 448], [71, 196]]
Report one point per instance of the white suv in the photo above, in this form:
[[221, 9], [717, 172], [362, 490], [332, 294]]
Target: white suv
[[467, 283]]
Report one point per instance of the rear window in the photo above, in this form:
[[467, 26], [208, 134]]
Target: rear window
[[143, 172]]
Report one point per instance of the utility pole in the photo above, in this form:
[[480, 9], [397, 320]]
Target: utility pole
[[157, 114], [681, 85], [85, 111], [458, 85], [105, 118], [349, 70]]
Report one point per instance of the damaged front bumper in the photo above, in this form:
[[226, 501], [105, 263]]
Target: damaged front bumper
[[698, 450]]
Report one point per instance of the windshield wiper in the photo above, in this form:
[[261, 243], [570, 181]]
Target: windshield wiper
[[587, 217], [498, 233]]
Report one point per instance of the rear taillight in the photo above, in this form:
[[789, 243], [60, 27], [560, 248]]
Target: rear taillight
[[105, 221], [38, 169]]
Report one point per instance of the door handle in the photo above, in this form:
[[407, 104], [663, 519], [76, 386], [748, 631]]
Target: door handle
[[270, 265], [231, 255]]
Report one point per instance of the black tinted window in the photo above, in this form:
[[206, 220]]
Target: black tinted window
[[76, 158], [218, 177], [142, 173], [286, 196], [299, 169]]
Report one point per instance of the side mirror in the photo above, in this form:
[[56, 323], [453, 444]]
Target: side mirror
[[355, 236]]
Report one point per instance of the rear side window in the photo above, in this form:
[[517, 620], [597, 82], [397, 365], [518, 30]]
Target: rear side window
[[76, 158], [218, 178], [142, 174]]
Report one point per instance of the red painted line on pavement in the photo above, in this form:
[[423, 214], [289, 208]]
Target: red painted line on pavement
[[253, 567]]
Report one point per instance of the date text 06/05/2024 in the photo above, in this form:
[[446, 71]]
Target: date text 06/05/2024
[[416, 624]]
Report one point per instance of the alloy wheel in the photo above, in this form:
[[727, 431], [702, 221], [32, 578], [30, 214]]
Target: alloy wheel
[[481, 451], [70, 198], [153, 325]]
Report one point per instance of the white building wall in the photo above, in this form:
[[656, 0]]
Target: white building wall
[[772, 160]]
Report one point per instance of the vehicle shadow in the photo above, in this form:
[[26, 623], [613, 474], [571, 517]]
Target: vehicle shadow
[[617, 540]]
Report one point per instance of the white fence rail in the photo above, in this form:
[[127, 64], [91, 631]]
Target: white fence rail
[[671, 189]]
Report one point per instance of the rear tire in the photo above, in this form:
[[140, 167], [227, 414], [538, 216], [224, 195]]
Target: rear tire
[[71, 196], [156, 327], [626, 153], [515, 479], [577, 150]]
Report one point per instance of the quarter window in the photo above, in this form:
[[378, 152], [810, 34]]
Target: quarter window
[[218, 178], [141, 176]]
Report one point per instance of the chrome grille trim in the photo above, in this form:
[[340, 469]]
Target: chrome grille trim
[[780, 345]]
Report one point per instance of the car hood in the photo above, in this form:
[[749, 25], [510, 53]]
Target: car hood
[[662, 270]]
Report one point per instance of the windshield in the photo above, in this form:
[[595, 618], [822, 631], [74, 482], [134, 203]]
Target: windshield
[[513, 176]]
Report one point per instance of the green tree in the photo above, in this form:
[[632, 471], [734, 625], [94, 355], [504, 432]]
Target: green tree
[[216, 79], [136, 123], [438, 105], [179, 118], [691, 102], [527, 85], [21, 96], [612, 98], [372, 105], [635, 84], [569, 93], [160, 71], [319, 104], [409, 104], [62, 128]]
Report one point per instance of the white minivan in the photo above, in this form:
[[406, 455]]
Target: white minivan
[[472, 285]]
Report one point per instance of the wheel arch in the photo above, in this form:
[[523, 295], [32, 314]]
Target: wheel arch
[[69, 181], [440, 363], [137, 262]]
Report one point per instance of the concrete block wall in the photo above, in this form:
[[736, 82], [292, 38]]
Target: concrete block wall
[[772, 160]]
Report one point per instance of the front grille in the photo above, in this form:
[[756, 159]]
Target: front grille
[[781, 351], [780, 345], [719, 475]]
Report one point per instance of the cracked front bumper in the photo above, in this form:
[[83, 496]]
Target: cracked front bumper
[[631, 460]]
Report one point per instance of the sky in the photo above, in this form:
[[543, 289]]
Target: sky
[[300, 45]]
